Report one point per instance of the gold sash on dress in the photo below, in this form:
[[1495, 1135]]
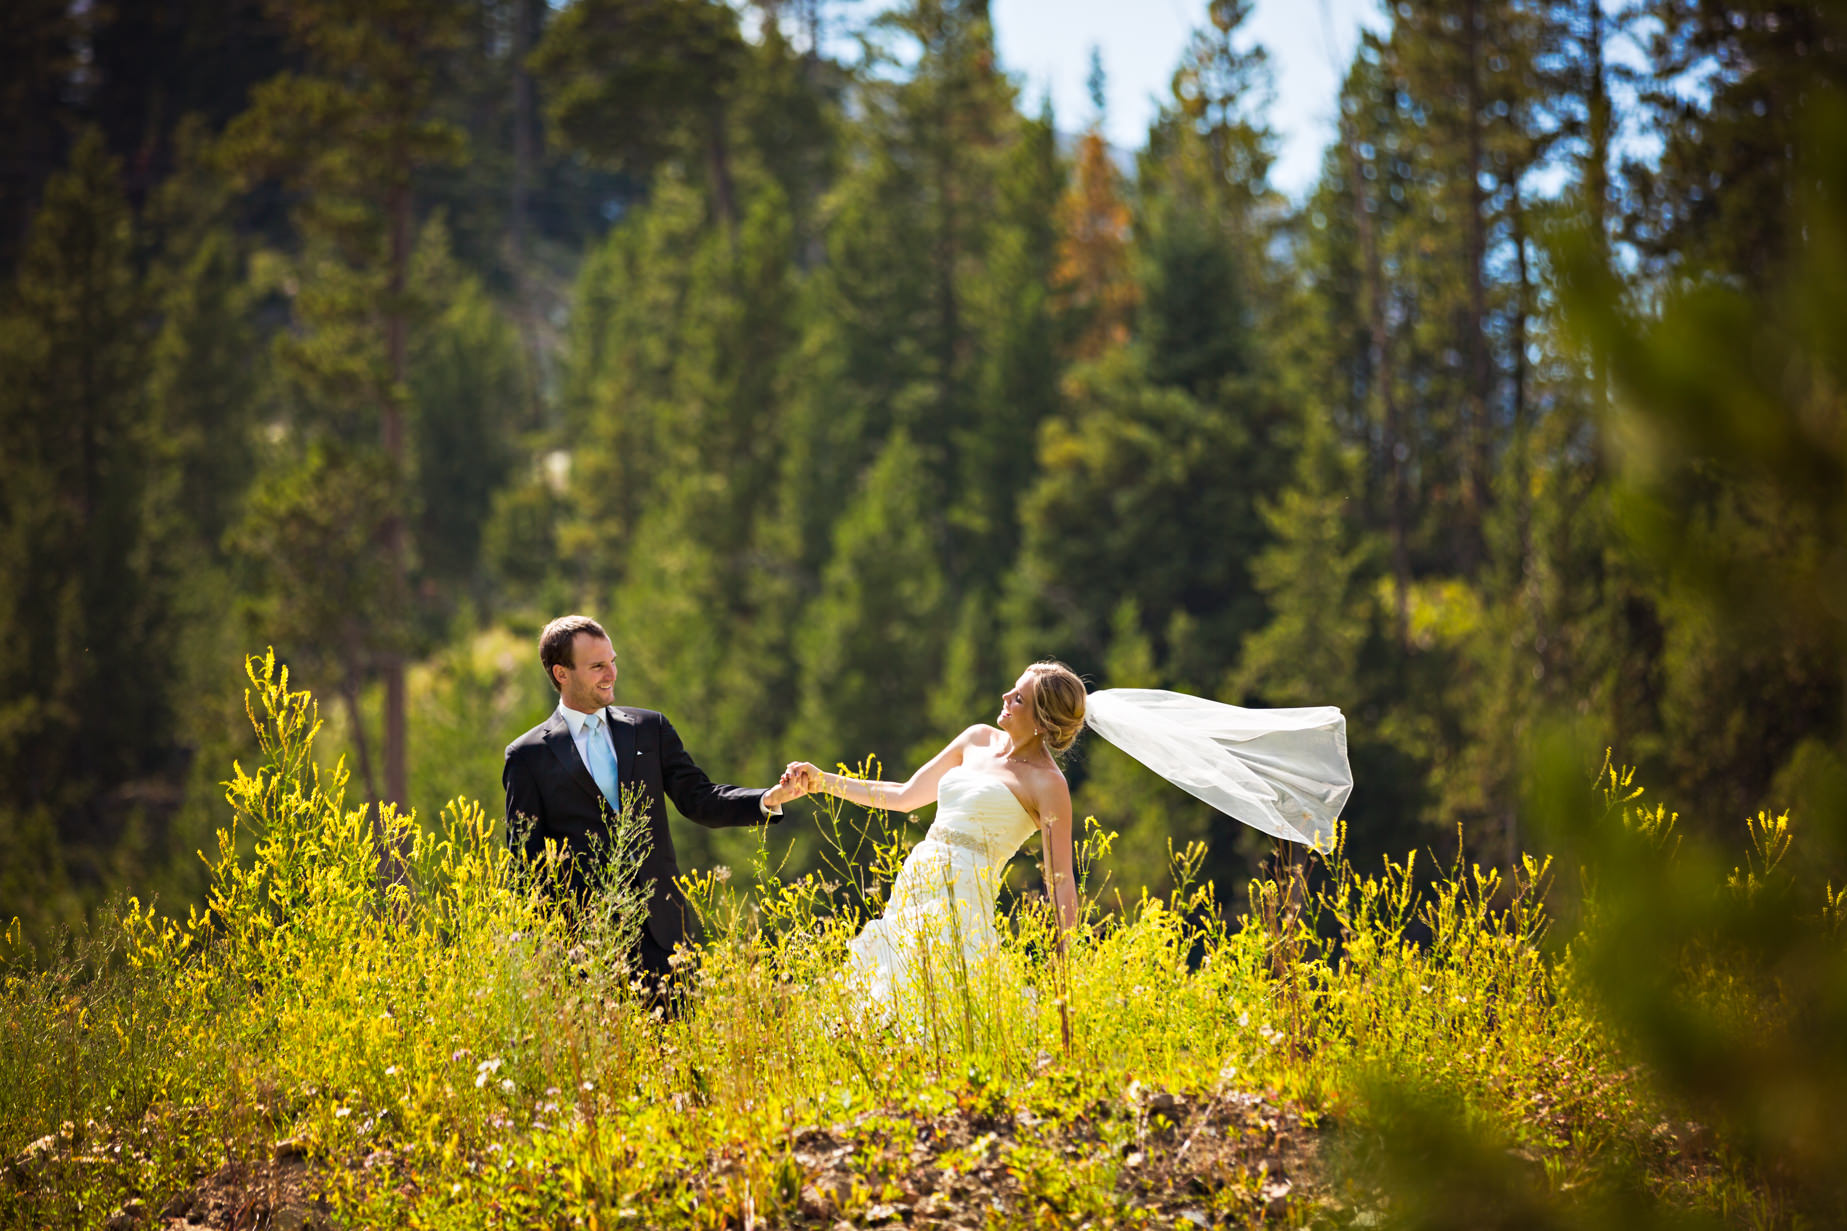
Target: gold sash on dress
[[955, 837]]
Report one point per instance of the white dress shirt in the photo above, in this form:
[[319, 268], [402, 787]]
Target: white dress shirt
[[579, 723]]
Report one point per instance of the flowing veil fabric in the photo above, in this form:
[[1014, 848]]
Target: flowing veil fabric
[[1284, 771]]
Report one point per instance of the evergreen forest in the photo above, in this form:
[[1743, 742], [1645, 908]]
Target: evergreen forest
[[841, 388]]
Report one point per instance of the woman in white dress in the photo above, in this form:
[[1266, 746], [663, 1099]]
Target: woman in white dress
[[994, 786], [1281, 771]]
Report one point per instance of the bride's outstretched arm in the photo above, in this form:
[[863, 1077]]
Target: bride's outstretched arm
[[1055, 834], [907, 796]]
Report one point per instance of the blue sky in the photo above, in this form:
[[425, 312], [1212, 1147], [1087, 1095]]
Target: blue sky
[[1046, 45]]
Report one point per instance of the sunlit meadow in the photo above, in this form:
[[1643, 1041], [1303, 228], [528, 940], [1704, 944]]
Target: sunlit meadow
[[400, 1004]]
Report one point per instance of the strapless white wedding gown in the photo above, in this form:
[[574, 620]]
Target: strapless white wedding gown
[[937, 933]]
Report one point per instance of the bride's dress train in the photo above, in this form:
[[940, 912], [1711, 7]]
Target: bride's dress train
[[937, 931]]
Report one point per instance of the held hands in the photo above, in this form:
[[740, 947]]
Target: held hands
[[805, 776], [798, 780]]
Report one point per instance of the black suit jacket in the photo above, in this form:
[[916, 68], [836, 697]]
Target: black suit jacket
[[551, 795]]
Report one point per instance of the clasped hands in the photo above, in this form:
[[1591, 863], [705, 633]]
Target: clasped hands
[[798, 780]]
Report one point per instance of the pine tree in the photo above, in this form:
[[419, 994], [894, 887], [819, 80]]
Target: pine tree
[[1142, 492], [204, 386], [1211, 139], [1709, 592], [689, 505], [1344, 265], [1724, 195], [1471, 70], [634, 297], [349, 134], [82, 594], [1317, 579], [1016, 326], [152, 69], [961, 694], [637, 83], [926, 306], [313, 577], [1196, 326], [208, 381], [870, 644], [467, 388], [1095, 282], [39, 48], [708, 598], [1206, 211]]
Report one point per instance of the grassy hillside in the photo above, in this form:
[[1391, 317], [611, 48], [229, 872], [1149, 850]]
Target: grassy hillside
[[422, 1040]]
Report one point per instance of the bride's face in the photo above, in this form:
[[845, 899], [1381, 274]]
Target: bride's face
[[1016, 709]]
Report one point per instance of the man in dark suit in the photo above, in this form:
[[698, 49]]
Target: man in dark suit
[[566, 779]]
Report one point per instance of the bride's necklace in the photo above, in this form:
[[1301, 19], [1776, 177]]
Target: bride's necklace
[[1014, 757]]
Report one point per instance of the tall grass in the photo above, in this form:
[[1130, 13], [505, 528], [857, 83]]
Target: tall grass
[[362, 986]]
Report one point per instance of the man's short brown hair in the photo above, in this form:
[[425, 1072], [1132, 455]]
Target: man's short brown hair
[[556, 641]]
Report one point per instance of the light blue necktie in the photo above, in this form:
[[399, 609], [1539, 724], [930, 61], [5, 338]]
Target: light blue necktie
[[602, 761]]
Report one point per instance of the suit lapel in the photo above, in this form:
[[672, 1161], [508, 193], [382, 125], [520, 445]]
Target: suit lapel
[[622, 731], [558, 739]]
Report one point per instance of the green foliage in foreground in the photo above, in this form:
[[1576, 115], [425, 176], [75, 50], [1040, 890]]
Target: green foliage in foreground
[[432, 1004]]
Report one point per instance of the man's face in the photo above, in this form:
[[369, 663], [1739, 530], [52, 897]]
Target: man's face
[[589, 683]]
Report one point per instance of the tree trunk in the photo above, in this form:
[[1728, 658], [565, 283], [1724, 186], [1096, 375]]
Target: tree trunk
[[397, 776], [1525, 592], [1521, 316], [1597, 179], [1479, 445], [362, 746], [1379, 359], [525, 32], [1597, 174], [718, 164], [522, 133], [949, 319]]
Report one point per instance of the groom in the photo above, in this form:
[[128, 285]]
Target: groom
[[566, 778]]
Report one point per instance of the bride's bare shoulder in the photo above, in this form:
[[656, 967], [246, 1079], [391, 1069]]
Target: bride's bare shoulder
[[981, 735], [976, 736], [1050, 788], [1052, 777]]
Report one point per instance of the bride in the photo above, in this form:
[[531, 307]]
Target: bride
[[994, 786], [1281, 771]]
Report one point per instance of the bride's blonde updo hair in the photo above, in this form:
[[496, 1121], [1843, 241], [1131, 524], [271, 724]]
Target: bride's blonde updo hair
[[1058, 704]]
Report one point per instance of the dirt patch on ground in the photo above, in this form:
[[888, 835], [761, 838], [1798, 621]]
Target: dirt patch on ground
[[279, 1194], [1230, 1159], [1234, 1159]]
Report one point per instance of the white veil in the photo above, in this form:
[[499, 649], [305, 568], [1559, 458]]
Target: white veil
[[1284, 772]]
